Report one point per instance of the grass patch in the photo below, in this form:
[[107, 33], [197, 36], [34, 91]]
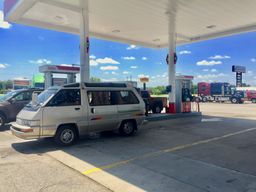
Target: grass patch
[[163, 95]]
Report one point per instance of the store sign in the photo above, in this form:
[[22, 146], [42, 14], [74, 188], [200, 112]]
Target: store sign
[[238, 69], [59, 81], [144, 79]]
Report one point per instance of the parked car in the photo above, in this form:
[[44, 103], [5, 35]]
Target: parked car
[[12, 103], [72, 110]]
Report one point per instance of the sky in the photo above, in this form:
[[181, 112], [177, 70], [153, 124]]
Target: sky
[[23, 49]]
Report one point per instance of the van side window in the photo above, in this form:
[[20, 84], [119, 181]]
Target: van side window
[[128, 97], [99, 98], [66, 97]]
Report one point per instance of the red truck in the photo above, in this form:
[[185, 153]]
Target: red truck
[[251, 96]]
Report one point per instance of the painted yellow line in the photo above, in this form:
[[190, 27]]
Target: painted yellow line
[[168, 150]]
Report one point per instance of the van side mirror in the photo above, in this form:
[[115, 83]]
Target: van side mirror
[[34, 98], [12, 100]]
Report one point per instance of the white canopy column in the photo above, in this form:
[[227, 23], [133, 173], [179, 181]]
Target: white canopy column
[[172, 65], [84, 42]]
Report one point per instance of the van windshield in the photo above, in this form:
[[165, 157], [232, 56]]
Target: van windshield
[[41, 99], [45, 95]]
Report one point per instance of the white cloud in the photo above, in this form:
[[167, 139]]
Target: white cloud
[[134, 67], [128, 58], [126, 72], [144, 58], [114, 73], [92, 57], [185, 52], [41, 61], [4, 24], [249, 73], [109, 80], [93, 63], [109, 68], [107, 60], [208, 63], [220, 57], [213, 70], [3, 65], [205, 70], [211, 76], [143, 75], [132, 47], [253, 60]]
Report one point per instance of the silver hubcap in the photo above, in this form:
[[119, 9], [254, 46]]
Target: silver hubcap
[[234, 100], [128, 127], [67, 136]]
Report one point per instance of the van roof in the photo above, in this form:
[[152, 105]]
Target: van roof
[[106, 84]]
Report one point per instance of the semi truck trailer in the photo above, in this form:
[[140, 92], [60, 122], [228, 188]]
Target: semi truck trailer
[[219, 92]]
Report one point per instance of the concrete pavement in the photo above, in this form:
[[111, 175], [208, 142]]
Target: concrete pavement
[[215, 155]]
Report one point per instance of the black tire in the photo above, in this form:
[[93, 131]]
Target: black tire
[[157, 107], [2, 120], [197, 99], [127, 128], [66, 135], [234, 100], [204, 99], [253, 100]]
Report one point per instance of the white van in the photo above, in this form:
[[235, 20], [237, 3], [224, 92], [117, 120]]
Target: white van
[[67, 112]]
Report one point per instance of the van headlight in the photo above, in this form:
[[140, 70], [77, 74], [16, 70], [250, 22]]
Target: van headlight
[[29, 123]]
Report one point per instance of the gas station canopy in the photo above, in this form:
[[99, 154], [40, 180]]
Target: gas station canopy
[[140, 22]]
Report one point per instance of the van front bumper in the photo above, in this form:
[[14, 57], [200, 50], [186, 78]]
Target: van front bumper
[[25, 132]]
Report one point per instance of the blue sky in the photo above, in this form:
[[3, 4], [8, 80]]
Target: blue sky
[[23, 49]]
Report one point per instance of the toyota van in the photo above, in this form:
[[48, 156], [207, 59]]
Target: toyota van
[[72, 110]]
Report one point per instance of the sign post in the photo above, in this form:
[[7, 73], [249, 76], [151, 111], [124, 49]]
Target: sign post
[[239, 70], [144, 80]]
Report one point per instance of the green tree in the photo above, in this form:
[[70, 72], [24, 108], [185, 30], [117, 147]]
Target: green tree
[[158, 90], [95, 79]]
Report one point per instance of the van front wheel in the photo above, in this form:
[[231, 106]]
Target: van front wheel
[[66, 135], [127, 128]]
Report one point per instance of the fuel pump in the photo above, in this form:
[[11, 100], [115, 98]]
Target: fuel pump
[[183, 94]]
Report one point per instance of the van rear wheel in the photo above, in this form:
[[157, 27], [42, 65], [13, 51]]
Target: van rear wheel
[[2, 121], [127, 128], [66, 135]]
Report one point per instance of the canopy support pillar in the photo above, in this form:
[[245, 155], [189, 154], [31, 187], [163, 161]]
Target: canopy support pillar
[[84, 42], [172, 66]]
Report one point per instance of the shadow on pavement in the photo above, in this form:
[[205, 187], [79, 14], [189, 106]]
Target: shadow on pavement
[[229, 153]]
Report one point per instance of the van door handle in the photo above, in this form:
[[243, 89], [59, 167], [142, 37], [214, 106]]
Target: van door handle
[[77, 108], [92, 110]]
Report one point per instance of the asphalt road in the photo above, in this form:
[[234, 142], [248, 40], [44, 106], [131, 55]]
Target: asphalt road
[[38, 172], [215, 155]]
